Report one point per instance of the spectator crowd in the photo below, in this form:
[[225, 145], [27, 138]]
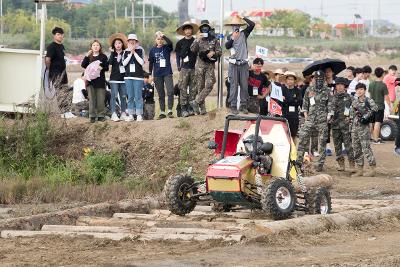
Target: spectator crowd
[[351, 109]]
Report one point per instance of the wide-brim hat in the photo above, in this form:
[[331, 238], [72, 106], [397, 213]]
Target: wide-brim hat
[[279, 71], [290, 74], [132, 36], [181, 28], [235, 21], [204, 22], [341, 80], [119, 36]]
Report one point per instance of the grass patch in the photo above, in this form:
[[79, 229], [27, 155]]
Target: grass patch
[[183, 124]]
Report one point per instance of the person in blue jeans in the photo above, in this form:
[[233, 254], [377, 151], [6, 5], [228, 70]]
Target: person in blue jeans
[[134, 76], [160, 66], [118, 43]]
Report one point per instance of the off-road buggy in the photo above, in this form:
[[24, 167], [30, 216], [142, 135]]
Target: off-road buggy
[[389, 128], [256, 168]]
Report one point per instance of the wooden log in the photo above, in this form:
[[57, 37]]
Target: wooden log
[[320, 180], [160, 230], [75, 228], [136, 216], [5, 211], [120, 236], [318, 223], [102, 221]]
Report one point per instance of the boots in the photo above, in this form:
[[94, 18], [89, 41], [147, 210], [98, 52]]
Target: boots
[[184, 112], [195, 107], [341, 166], [359, 172], [371, 172], [352, 166], [203, 110]]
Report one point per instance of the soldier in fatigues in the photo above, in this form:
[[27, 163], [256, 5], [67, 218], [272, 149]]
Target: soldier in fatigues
[[341, 104], [317, 103], [361, 111], [186, 61], [209, 50]]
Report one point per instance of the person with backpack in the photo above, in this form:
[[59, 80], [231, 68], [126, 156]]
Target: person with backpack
[[361, 111]]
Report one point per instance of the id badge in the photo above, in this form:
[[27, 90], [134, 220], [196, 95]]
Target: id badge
[[186, 59], [163, 63], [292, 108], [121, 69], [132, 68], [346, 112], [232, 61], [312, 101], [233, 51], [255, 91]]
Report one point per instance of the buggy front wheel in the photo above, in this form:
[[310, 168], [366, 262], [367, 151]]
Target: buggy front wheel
[[179, 191], [278, 199]]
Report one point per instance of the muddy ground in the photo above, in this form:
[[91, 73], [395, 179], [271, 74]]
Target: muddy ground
[[162, 142]]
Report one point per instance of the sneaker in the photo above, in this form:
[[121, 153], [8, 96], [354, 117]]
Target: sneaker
[[123, 116], [68, 115], [139, 118], [397, 151], [377, 142], [185, 114], [170, 115], [244, 110], [234, 111], [92, 120], [315, 154], [162, 116], [380, 140], [114, 117], [129, 118], [328, 152], [101, 119]]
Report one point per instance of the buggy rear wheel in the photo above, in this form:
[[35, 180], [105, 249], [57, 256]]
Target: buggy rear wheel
[[388, 130], [319, 201], [278, 199], [179, 190]]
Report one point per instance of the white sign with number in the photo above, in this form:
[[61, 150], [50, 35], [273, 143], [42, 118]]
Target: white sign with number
[[276, 92], [261, 51]]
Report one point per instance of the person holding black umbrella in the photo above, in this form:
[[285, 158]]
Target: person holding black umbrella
[[317, 106]]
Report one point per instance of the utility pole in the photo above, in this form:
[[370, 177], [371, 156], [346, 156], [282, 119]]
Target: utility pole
[[133, 14], [1, 18], [264, 11], [152, 12], [372, 18], [115, 10], [221, 59], [144, 15], [322, 8]]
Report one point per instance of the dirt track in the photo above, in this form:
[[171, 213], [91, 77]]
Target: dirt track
[[367, 246]]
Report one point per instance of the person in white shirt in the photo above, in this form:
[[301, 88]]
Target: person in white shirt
[[358, 76], [79, 101], [365, 77]]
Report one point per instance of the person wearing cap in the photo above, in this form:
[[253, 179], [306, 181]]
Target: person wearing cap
[[186, 61], [258, 87], [118, 43], [238, 61], [317, 104], [340, 119], [362, 109], [133, 61], [55, 63], [208, 51], [160, 67], [292, 102]]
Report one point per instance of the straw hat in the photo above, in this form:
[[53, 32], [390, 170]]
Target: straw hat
[[119, 36], [236, 21], [279, 71], [290, 73], [185, 24]]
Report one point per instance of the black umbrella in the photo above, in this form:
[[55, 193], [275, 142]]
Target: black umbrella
[[336, 65]]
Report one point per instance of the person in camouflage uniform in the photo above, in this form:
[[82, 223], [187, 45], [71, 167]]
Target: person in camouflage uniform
[[341, 104], [361, 111], [186, 61], [209, 50], [317, 103]]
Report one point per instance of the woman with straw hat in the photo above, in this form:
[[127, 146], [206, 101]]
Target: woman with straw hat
[[186, 61], [118, 43], [238, 61]]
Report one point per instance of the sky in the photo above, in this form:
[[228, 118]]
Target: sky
[[333, 11]]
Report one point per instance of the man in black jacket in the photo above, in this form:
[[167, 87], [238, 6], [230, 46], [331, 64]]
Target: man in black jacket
[[238, 62], [186, 61]]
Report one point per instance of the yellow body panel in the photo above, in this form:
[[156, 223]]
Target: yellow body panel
[[223, 185]]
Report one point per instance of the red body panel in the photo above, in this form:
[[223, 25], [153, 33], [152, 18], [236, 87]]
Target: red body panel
[[231, 144]]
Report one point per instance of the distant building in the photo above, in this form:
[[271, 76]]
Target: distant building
[[340, 29], [79, 3]]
